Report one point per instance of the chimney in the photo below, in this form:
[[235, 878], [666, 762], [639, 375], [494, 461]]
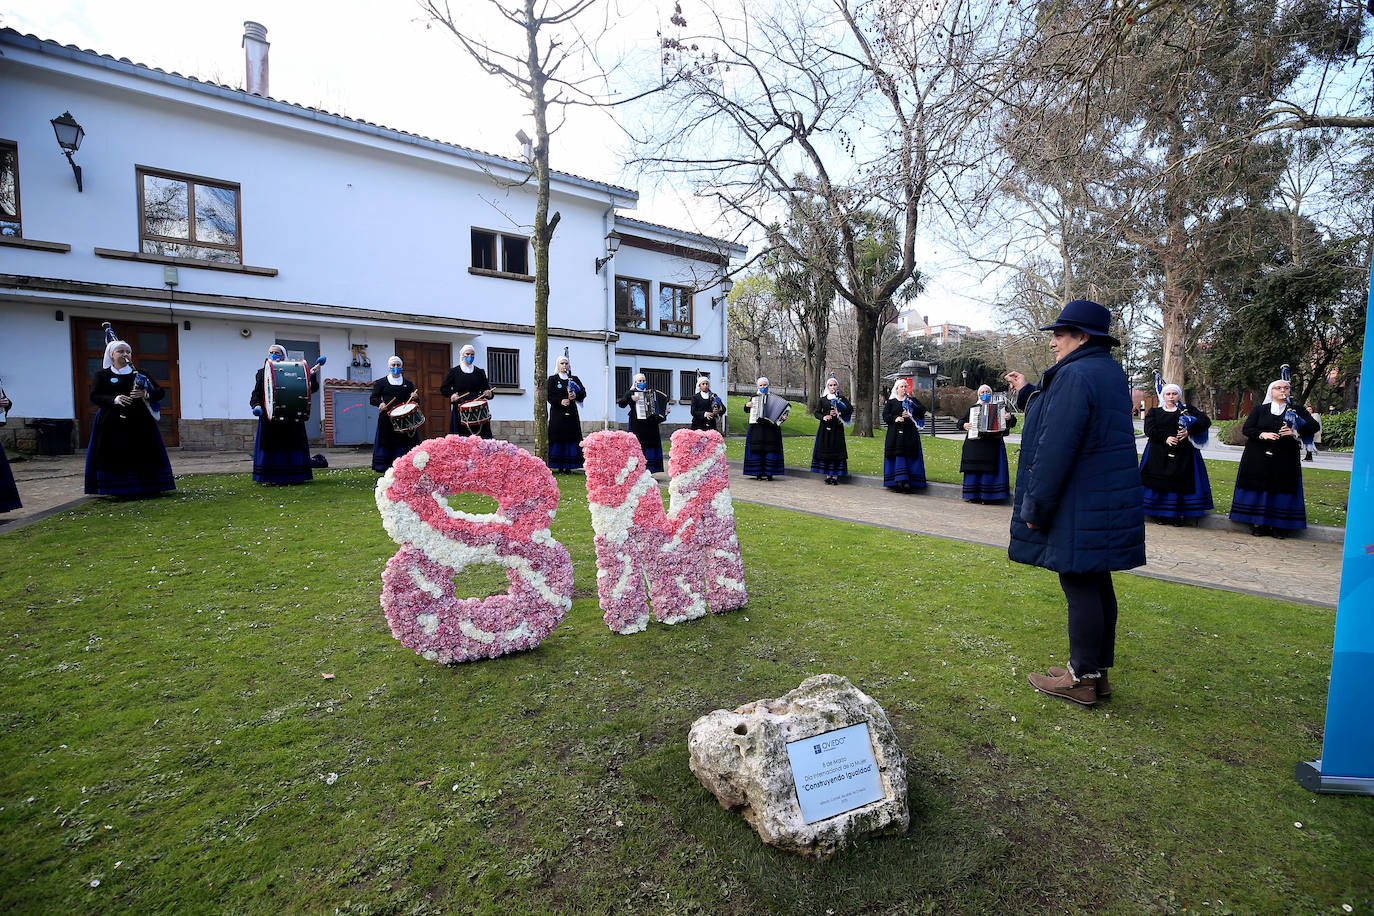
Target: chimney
[[255, 57]]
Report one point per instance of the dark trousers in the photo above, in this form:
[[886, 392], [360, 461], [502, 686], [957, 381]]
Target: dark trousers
[[1092, 620]]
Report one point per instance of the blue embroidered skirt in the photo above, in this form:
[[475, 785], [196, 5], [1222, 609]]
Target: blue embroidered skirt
[[903, 469], [567, 456], [1277, 510], [763, 451], [284, 456], [1183, 505], [9, 493], [990, 487]]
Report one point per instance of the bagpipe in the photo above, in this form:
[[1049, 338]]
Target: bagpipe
[[141, 381], [843, 409], [917, 410], [1290, 416], [4, 411], [574, 390], [1185, 417]]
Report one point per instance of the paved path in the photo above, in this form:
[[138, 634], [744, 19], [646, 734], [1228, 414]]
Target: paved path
[[1216, 557]]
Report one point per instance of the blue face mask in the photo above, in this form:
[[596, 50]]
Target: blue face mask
[[469, 359], [641, 385], [985, 397], [396, 371], [275, 356], [763, 389]]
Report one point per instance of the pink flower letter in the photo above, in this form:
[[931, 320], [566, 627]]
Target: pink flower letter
[[689, 556]]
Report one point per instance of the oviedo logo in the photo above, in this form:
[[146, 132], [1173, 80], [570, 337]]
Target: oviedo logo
[[823, 746]]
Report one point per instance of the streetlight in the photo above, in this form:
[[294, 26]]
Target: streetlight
[[612, 246], [934, 380], [69, 137]]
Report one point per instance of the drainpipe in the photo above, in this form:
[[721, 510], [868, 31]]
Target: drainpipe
[[607, 370]]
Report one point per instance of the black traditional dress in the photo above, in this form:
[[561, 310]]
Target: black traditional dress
[[281, 448], [1268, 488], [9, 493], [702, 405], [646, 431], [468, 386], [830, 455], [565, 423], [126, 457], [904, 466], [763, 446], [983, 462], [388, 445], [1174, 477]]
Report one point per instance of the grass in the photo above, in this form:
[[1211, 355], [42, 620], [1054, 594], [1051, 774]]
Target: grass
[[1326, 490], [169, 733]]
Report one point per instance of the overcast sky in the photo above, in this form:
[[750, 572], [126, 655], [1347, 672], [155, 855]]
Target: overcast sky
[[378, 61]]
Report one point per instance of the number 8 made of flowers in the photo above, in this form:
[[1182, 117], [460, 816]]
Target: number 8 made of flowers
[[438, 542]]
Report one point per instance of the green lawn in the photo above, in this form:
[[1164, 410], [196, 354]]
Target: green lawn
[[1326, 490], [168, 731]]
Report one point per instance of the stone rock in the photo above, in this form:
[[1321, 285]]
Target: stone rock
[[741, 757]]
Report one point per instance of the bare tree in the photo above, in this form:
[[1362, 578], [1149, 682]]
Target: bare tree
[[754, 315], [541, 61], [852, 106], [804, 289]]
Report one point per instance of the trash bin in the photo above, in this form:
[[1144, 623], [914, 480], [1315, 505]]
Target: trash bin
[[54, 436]]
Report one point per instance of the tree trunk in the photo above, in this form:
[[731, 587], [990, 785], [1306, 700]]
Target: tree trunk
[[543, 232], [866, 324]]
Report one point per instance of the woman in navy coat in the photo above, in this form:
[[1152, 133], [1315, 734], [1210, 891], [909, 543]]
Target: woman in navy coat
[[1078, 507]]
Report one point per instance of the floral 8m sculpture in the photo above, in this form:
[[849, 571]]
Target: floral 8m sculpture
[[689, 556], [438, 541]]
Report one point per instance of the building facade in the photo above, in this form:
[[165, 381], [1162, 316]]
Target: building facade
[[212, 222]]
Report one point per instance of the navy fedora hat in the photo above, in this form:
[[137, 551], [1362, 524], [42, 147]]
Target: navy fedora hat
[[1088, 316]]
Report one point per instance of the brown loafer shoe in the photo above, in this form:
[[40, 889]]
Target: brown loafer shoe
[[1104, 689], [1082, 691]]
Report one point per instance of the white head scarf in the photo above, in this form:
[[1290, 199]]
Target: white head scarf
[[1161, 397], [703, 378], [564, 367], [893, 395], [108, 363], [395, 379], [1269, 392], [467, 348], [763, 380]]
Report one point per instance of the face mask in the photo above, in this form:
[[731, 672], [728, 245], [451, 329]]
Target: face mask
[[276, 357], [469, 359], [641, 385], [763, 389], [396, 371], [985, 397]]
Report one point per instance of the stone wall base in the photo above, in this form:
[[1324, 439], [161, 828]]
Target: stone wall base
[[218, 435]]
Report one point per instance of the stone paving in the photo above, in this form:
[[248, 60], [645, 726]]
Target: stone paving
[[1215, 556]]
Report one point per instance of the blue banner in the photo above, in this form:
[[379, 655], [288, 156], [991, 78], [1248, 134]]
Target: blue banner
[[1347, 761]]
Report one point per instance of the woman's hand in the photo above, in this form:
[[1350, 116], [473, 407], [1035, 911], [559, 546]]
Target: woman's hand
[[453, 398], [1015, 379], [1269, 436], [123, 400], [1173, 440]]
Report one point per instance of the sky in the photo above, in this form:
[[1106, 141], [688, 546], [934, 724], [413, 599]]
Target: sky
[[385, 62]]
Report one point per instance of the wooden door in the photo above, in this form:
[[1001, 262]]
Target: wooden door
[[155, 355], [426, 364]]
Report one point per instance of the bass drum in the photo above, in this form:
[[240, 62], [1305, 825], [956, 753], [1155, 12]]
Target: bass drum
[[286, 390]]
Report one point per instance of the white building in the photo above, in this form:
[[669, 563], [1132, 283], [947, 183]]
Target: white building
[[910, 324], [211, 222]]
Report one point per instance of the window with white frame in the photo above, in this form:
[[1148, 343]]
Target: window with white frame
[[500, 252]]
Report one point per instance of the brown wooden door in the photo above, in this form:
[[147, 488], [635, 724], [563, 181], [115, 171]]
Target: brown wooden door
[[155, 355], [426, 364]]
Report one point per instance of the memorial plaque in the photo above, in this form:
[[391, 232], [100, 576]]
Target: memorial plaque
[[834, 772]]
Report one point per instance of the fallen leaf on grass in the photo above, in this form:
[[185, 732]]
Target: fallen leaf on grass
[[327, 677], [424, 782]]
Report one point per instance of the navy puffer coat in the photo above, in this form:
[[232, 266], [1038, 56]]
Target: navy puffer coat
[[1076, 477]]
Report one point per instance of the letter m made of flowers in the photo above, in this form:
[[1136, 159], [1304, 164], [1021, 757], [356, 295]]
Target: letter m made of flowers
[[687, 559]]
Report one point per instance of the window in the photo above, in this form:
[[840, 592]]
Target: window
[[687, 384], [631, 303], [674, 308], [9, 190], [659, 379], [623, 377], [503, 367], [187, 217], [500, 253]]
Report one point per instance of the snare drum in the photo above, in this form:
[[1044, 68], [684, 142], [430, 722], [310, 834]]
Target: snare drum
[[286, 390], [474, 414], [406, 418]]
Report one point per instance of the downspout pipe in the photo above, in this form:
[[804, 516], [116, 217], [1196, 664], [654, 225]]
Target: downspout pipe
[[607, 370]]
